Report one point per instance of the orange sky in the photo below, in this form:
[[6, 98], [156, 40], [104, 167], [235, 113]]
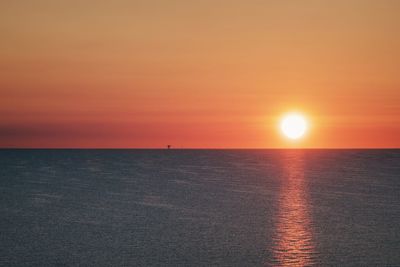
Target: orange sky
[[211, 73]]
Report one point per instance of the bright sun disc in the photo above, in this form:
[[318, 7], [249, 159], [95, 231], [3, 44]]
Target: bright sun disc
[[294, 126]]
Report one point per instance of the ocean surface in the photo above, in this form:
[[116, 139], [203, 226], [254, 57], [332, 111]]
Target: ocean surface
[[199, 207]]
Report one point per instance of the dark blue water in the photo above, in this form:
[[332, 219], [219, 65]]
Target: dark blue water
[[200, 207]]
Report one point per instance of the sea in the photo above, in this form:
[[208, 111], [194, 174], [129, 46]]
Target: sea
[[199, 207]]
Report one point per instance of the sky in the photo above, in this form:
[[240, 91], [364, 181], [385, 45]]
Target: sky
[[198, 74]]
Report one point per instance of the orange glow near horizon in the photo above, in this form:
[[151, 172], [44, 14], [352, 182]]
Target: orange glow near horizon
[[198, 74]]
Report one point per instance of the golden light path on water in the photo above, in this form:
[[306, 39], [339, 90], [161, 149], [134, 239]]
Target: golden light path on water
[[293, 238]]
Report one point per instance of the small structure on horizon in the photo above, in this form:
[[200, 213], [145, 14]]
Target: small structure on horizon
[[168, 146]]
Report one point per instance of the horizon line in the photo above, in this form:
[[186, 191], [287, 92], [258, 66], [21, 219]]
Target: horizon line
[[198, 148]]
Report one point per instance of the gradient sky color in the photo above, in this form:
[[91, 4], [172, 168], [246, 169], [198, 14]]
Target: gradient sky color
[[198, 74]]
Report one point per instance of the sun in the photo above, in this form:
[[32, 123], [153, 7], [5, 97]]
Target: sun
[[294, 126]]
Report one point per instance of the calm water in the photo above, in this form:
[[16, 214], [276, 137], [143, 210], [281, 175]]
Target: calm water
[[200, 207]]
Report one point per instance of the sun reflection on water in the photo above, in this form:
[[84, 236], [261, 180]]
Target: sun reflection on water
[[293, 239]]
